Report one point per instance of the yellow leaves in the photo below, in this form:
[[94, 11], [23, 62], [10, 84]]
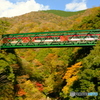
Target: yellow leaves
[[49, 84], [71, 80], [69, 84], [71, 76], [76, 49], [65, 89], [72, 70]]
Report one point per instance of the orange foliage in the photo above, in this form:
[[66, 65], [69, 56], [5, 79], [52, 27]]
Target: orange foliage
[[19, 91], [71, 76]]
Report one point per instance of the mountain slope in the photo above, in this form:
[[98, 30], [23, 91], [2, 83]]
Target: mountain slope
[[43, 21], [64, 13]]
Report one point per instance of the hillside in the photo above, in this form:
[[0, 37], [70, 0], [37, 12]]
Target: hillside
[[42, 21], [49, 73], [64, 13]]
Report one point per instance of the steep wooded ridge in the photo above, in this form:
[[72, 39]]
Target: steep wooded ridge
[[49, 73]]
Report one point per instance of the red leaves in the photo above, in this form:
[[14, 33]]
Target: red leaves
[[39, 86]]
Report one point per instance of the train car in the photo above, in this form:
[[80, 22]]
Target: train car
[[46, 39], [51, 39]]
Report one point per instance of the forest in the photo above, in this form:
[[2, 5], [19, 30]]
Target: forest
[[50, 73]]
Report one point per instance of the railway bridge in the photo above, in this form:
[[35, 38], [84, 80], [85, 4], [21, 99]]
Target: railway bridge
[[70, 38]]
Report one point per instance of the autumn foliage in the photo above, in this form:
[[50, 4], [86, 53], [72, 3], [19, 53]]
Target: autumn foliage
[[19, 91], [39, 86], [71, 76]]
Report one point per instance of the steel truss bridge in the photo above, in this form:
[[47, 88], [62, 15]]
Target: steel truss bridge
[[50, 39]]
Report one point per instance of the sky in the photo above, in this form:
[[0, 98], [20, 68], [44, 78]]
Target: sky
[[11, 8]]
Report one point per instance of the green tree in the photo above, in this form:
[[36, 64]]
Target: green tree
[[7, 76]]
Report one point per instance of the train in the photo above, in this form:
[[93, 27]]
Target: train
[[49, 39]]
